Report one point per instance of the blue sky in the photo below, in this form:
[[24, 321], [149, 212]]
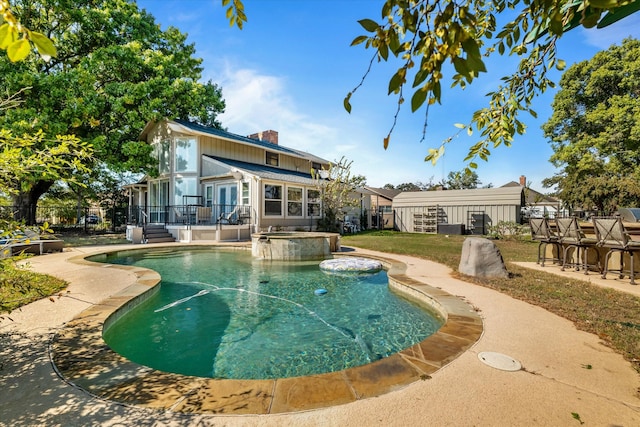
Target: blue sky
[[291, 66]]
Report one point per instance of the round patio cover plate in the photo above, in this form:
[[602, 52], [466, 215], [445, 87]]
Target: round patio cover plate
[[499, 361]]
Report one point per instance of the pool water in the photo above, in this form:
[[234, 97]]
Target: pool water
[[224, 314]]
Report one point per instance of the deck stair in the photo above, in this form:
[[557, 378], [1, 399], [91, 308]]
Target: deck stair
[[157, 233]]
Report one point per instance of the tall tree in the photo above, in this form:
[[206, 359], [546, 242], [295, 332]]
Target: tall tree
[[462, 180], [337, 187], [115, 70], [595, 131]]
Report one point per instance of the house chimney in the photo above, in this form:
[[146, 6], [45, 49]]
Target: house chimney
[[523, 180], [267, 135]]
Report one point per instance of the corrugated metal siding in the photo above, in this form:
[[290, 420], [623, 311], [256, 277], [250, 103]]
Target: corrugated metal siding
[[425, 218], [479, 196]]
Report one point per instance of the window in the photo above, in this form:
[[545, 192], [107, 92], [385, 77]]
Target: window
[[161, 151], [315, 165], [294, 201], [313, 202], [184, 186], [245, 193], [271, 158], [208, 196], [272, 200], [186, 155]]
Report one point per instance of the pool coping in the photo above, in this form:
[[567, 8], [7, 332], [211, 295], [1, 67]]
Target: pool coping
[[82, 358]]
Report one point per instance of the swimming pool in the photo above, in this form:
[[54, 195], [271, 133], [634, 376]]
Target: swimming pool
[[224, 314]]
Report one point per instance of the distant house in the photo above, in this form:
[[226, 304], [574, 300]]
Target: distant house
[[216, 185], [536, 203], [381, 200]]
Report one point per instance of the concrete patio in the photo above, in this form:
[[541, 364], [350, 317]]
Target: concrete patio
[[567, 378]]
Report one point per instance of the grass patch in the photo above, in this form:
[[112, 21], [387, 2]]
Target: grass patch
[[19, 286], [612, 315]]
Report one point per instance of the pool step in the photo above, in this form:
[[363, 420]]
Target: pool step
[[157, 233]]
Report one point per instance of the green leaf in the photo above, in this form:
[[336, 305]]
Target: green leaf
[[420, 76], [383, 49], [471, 47], [459, 125], [8, 34], [561, 64], [418, 98], [346, 103], [461, 66], [394, 42], [369, 25], [619, 13], [358, 40], [19, 50], [555, 26], [476, 64], [396, 81], [437, 91], [604, 4], [45, 46]]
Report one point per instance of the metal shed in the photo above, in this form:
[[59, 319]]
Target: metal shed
[[457, 211]]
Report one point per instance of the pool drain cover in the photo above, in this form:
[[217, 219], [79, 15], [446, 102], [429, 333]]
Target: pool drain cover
[[499, 361]]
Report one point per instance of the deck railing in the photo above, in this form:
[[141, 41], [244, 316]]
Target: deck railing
[[191, 214]]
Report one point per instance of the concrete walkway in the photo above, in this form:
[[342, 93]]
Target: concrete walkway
[[568, 376]]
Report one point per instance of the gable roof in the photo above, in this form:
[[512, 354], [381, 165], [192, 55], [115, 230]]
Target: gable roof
[[184, 126], [387, 193], [476, 196], [533, 197]]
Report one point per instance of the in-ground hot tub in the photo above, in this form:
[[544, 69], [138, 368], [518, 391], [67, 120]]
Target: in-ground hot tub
[[294, 246]]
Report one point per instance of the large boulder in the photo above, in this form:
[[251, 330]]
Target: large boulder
[[481, 258]]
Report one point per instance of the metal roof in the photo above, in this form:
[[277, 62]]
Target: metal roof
[[477, 196], [534, 197], [189, 127], [387, 193], [267, 172]]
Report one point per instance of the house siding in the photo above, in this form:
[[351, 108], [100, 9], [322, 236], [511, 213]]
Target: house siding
[[423, 211], [225, 160]]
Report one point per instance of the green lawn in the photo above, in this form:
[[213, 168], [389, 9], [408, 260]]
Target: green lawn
[[19, 286], [612, 315]]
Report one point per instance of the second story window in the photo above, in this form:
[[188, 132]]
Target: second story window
[[271, 158]]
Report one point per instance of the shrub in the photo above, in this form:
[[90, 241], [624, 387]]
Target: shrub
[[507, 230]]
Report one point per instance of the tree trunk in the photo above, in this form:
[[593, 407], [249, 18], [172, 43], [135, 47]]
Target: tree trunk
[[26, 202]]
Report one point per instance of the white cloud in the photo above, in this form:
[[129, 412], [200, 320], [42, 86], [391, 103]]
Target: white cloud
[[257, 102]]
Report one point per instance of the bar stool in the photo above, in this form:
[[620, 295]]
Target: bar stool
[[541, 232], [613, 236], [572, 237]]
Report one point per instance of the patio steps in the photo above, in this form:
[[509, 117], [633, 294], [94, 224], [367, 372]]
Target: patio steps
[[157, 233]]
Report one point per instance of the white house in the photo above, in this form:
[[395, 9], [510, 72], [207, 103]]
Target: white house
[[216, 185]]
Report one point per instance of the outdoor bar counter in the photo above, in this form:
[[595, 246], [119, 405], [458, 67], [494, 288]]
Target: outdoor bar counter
[[632, 228]]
